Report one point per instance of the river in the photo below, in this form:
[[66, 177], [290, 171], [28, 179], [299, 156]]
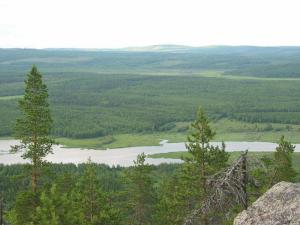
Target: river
[[124, 156]]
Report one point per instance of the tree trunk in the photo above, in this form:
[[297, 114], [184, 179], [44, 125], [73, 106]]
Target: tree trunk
[[203, 174], [245, 181], [34, 176]]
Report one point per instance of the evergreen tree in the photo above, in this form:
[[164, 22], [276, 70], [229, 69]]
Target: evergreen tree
[[33, 128], [283, 167], [177, 196], [90, 204], [140, 192], [23, 211], [50, 210], [205, 159]]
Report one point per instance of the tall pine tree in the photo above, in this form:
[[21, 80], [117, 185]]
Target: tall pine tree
[[33, 127]]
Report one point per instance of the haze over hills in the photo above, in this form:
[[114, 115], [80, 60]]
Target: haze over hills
[[242, 60]]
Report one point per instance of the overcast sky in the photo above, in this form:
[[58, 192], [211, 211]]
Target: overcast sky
[[123, 23]]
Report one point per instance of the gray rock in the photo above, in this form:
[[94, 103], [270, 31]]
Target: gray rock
[[278, 206]]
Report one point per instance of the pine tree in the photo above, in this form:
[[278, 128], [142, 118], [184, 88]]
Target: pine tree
[[50, 210], [23, 211], [33, 128], [283, 167], [176, 196], [90, 204], [56, 206], [208, 158], [140, 192], [205, 158]]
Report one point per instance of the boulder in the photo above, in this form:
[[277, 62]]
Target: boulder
[[278, 206]]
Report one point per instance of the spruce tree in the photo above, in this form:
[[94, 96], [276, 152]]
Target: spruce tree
[[33, 127]]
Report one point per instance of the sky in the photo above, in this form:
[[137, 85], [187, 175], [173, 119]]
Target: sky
[[127, 23]]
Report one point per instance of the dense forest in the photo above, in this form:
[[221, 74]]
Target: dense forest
[[96, 93], [63, 187], [206, 188]]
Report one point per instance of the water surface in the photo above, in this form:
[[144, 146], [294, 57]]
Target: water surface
[[124, 156]]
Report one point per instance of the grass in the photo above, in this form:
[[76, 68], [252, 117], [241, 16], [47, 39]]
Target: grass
[[6, 138], [116, 141], [10, 97], [232, 130], [219, 74], [227, 130]]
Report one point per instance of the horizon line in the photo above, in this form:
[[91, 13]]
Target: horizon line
[[149, 46]]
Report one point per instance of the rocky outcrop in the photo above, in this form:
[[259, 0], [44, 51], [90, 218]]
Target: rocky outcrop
[[278, 206]]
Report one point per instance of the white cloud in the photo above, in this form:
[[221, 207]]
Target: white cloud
[[121, 23]]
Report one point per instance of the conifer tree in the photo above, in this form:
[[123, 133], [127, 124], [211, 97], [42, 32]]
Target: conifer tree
[[24, 209], [209, 158], [90, 204], [283, 167], [50, 210], [33, 127], [176, 196], [205, 158], [140, 193]]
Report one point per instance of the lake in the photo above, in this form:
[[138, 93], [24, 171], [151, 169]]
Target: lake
[[124, 156]]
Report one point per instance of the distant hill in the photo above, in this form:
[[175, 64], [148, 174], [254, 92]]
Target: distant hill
[[160, 48], [98, 92], [241, 61]]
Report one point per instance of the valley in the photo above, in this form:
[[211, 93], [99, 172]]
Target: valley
[[120, 98]]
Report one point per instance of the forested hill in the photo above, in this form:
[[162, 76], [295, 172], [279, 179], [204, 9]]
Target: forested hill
[[244, 60], [153, 89]]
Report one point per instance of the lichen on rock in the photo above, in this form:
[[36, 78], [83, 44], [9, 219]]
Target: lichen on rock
[[278, 206]]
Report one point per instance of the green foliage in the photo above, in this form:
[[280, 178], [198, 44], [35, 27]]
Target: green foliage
[[33, 128], [178, 195], [136, 101], [266, 157], [90, 204], [23, 211], [79, 199], [205, 160], [284, 170], [209, 158], [187, 190], [96, 93], [52, 208], [140, 192], [173, 186]]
